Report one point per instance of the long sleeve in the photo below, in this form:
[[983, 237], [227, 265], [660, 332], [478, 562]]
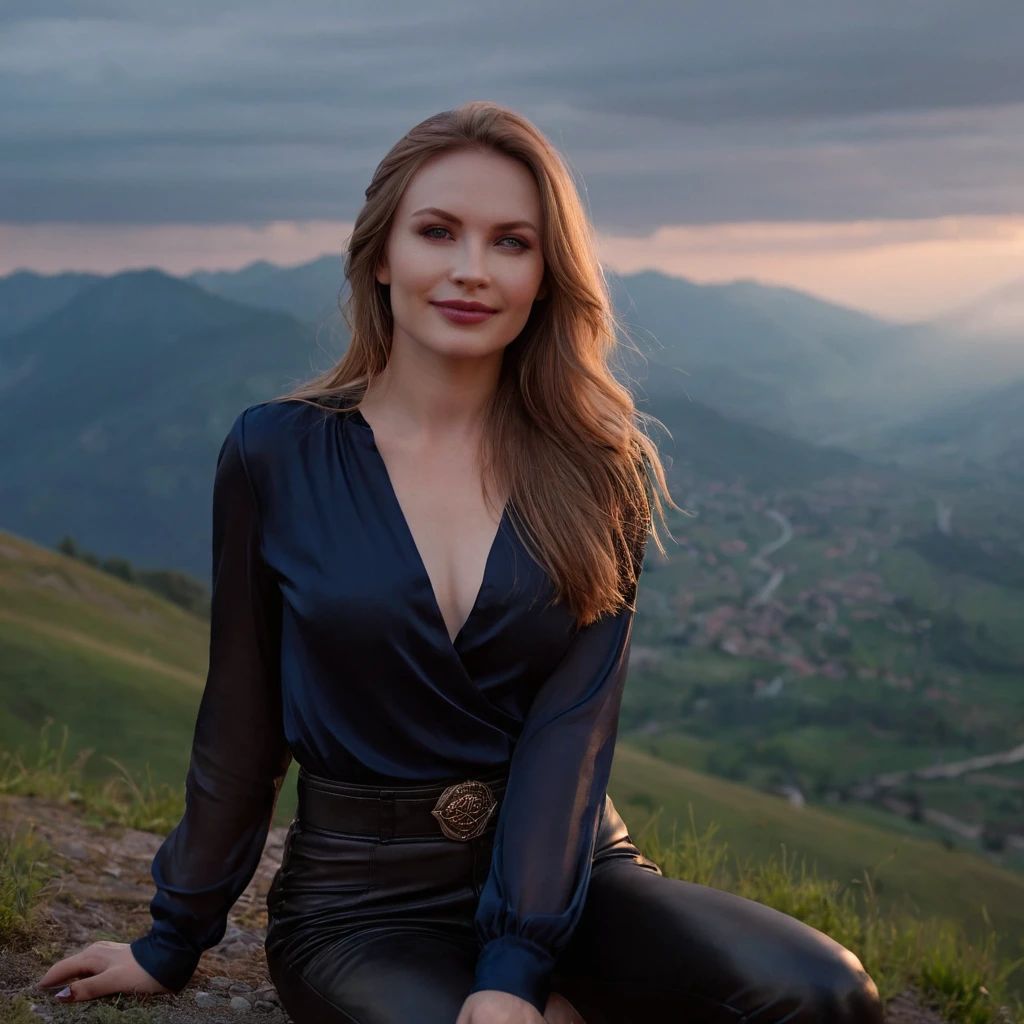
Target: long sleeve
[[239, 753], [547, 828]]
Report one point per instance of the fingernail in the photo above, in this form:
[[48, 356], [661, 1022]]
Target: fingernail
[[64, 993]]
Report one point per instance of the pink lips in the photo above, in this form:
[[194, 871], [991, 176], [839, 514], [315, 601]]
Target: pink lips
[[462, 316]]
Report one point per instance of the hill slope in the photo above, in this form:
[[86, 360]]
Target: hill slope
[[114, 408], [986, 430], [125, 670], [308, 292], [27, 297]]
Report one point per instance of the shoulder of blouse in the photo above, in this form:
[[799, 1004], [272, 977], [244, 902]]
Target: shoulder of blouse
[[268, 431]]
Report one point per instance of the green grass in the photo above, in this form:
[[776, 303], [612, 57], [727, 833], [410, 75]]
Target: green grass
[[124, 670], [117, 707], [17, 1010], [24, 872], [963, 980], [123, 667], [915, 877], [122, 797], [54, 591], [966, 978]]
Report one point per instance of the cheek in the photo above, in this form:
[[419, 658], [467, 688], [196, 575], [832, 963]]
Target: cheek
[[415, 272], [521, 282]]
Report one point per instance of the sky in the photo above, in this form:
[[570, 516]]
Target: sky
[[871, 153]]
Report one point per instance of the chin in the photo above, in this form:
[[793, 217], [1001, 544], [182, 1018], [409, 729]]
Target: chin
[[463, 348]]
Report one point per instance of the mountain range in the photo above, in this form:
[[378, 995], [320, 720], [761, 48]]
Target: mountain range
[[116, 392]]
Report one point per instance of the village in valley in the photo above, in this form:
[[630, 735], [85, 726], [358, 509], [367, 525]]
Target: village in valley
[[826, 646]]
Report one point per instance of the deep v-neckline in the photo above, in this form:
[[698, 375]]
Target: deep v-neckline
[[453, 642]]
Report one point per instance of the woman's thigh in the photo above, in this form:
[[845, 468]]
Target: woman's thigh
[[389, 978], [652, 948], [364, 932]]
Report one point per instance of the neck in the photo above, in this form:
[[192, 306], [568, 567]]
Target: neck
[[424, 395]]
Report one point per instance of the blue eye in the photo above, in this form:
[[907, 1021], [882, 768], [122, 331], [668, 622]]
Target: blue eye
[[520, 244]]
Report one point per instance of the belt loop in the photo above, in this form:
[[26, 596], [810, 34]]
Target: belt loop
[[387, 815]]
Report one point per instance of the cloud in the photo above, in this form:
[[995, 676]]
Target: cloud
[[693, 112]]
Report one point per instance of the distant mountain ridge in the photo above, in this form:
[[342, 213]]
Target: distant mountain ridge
[[999, 315], [27, 297], [982, 431], [112, 410], [119, 390], [114, 406], [769, 355], [308, 292]]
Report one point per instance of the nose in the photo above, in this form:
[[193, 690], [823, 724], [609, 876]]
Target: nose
[[470, 263]]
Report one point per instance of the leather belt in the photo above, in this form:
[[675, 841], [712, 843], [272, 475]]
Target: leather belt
[[460, 810]]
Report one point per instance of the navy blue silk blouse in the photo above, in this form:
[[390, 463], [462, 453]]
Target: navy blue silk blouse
[[327, 644]]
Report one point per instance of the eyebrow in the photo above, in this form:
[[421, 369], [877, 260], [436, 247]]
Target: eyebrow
[[444, 215]]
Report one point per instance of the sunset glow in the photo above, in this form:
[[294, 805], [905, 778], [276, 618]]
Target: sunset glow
[[901, 269]]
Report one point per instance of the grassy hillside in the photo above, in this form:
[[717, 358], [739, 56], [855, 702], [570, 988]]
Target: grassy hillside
[[122, 667], [910, 873], [124, 670]]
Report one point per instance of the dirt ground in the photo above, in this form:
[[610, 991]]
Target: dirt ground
[[101, 889]]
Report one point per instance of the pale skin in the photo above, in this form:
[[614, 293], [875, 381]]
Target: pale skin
[[426, 411]]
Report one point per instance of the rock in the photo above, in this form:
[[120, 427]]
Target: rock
[[263, 1006], [240, 1004], [111, 870], [268, 995], [237, 949], [208, 1000], [74, 850], [221, 984], [239, 988]]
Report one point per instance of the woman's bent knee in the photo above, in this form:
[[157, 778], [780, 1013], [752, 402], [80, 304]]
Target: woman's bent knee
[[838, 990]]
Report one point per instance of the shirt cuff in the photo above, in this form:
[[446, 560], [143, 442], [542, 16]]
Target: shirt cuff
[[163, 958], [515, 965]]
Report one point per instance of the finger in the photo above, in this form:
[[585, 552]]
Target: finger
[[103, 984], [71, 967]]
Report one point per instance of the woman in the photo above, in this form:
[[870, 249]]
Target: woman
[[425, 567]]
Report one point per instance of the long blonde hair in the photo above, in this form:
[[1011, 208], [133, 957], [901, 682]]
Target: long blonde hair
[[562, 435]]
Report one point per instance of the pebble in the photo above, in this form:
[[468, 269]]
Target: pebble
[[263, 1005], [205, 999], [269, 995], [240, 1003], [221, 984], [239, 988]]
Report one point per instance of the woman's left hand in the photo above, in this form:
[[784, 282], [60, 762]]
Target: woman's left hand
[[493, 1007]]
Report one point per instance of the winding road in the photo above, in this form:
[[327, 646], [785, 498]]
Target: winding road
[[759, 560]]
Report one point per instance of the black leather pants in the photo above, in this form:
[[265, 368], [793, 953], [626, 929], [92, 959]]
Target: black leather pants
[[365, 931]]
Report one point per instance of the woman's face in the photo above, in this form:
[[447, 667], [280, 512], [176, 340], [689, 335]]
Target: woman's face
[[467, 227]]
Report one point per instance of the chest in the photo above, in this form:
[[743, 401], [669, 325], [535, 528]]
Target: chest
[[453, 529]]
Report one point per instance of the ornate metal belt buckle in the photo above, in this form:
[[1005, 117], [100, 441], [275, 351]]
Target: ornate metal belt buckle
[[464, 809]]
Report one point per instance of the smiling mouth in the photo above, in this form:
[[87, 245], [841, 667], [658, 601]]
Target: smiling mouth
[[468, 307], [457, 315]]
